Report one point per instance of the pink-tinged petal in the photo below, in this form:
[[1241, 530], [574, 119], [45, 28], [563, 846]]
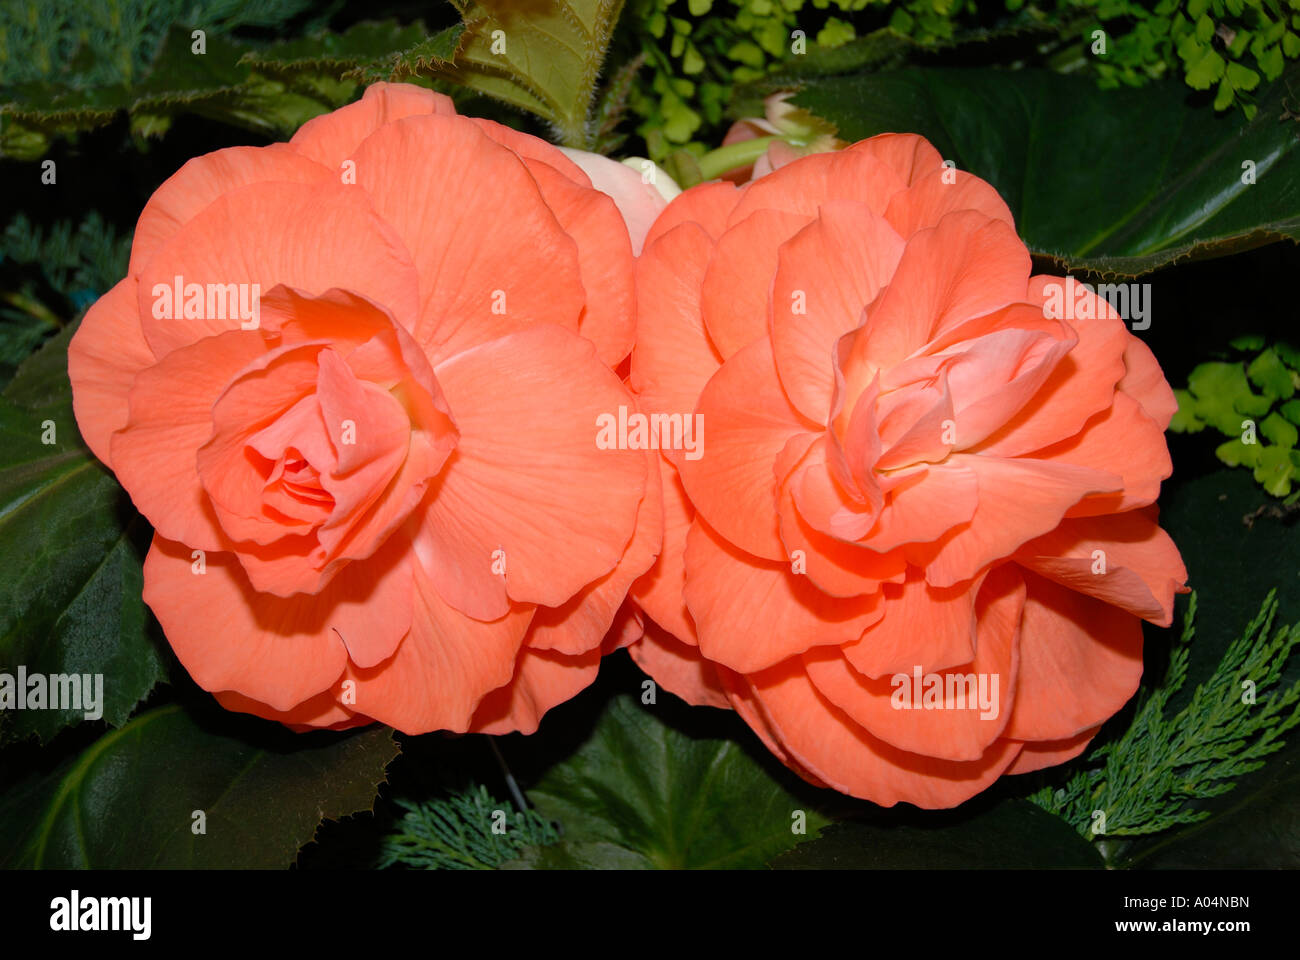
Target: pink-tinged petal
[[528, 484], [933, 627], [171, 411], [331, 138], [543, 679], [673, 358], [924, 506], [825, 275], [826, 741], [275, 650], [1123, 559], [444, 666], [205, 179], [747, 421], [1124, 441], [965, 266], [707, 205], [1002, 376], [1018, 500], [1080, 661], [1041, 754], [940, 192], [971, 701], [1079, 387], [735, 292], [437, 180], [679, 668], [751, 613], [1144, 381], [311, 237], [803, 186], [660, 591], [105, 355], [581, 623], [639, 202], [268, 405]]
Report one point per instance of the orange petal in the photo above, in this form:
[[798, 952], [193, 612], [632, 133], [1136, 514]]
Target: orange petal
[[444, 666], [673, 358], [171, 411], [660, 591], [1080, 661], [734, 293], [1040, 754], [543, 679], [1124, 559], [438, 180], [971, 702], [205, 179], [826, 741], [747, 421], [1122, 440], [965, 266], [528, 484], [1018, 500], [868, 175], [105, 355], [825, 275], [330, 138], [751, 613], [923, 625], [275, 650], [582, 622], [310, 237], [320, 712], [934, 195], [1145, 382], [707, 205], [679, 668]]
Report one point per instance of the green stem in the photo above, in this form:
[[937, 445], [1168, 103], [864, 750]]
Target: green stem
[[717, 162]]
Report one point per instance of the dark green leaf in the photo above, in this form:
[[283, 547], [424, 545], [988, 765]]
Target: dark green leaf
[[71, 547], [129, 800], [641, 794], [1012, 834], [1086, 189]]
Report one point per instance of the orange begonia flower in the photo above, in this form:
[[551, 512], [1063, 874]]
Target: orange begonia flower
[[353, 382], [917, 542]]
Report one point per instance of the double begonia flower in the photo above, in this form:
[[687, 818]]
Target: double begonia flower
[[916, 548], [352, 381]]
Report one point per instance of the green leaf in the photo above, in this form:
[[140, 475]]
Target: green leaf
[[1084, 191], [641, 794], [1223, 396], [129, 800], [302, 80], [543, 58], [71, 546], [1277, 429], [1012, 834], [1269, 373]]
